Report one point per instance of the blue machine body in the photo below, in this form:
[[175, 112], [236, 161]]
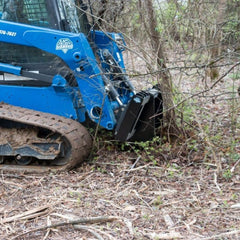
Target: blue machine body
[[90, 96]]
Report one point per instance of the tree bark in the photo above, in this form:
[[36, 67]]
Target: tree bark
[[215, 51], [165, 77]]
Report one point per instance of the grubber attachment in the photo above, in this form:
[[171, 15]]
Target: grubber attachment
[[141, 118]]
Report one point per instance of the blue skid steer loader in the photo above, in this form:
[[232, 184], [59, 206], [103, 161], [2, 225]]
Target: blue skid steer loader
[[56, 74]]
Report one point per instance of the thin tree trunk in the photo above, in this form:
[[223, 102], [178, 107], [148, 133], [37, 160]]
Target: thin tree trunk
[[165, 77], [215, 51]]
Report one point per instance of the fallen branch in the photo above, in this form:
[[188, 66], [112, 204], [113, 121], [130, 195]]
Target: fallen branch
[[93, 231], [33, 213], [73, 222]]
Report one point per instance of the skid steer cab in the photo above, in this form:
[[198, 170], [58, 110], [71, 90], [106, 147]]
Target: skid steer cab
[[56, 69]]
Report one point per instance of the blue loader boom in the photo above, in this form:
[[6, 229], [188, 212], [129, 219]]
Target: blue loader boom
[[57, 72]]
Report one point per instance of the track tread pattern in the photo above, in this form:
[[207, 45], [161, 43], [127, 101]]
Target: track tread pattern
[[76, 134]]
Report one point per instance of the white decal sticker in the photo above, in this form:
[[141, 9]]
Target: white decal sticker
[[64, 44], [118, 56], [8, 33]]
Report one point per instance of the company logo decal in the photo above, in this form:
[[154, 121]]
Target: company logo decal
[[64, 44]]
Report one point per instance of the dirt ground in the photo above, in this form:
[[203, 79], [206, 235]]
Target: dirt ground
[[147, 202]]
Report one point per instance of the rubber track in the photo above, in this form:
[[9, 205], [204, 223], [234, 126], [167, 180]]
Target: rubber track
[[76, 134]]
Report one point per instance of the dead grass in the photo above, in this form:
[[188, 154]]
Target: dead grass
[[149, 202]]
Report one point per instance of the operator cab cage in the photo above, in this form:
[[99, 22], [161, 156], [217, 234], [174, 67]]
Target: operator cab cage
[[65, 15]]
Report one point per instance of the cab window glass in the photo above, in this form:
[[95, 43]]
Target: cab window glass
[[25, 11]]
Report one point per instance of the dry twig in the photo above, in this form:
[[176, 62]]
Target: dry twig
[[235, 165], [134, 164], [216, 183]]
